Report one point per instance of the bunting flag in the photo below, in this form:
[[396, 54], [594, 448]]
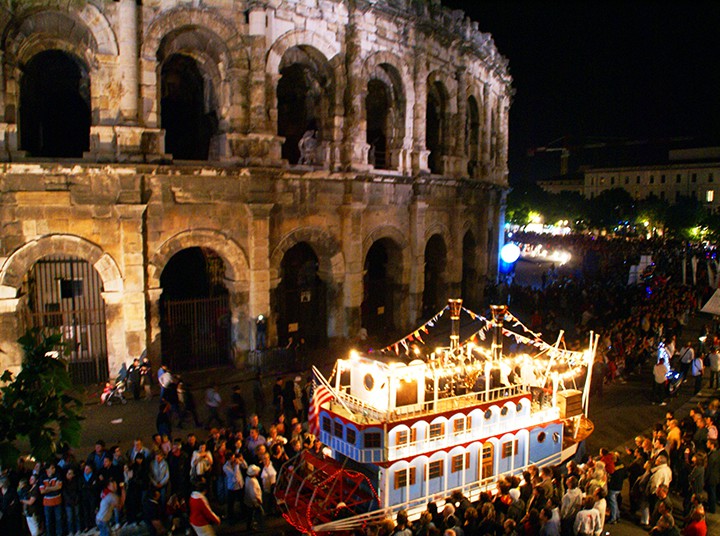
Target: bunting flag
[[321, 395]]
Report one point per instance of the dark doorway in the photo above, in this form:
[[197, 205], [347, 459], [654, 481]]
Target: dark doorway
[[435, 128], [194, 311], [64, 295], [377, 104], [301, 299], [296, 111], [435, 263], [472, 136], [188, 126], [55, 106], [379, 287], [468, 285]]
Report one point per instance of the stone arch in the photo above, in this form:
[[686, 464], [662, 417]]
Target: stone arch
[[209, 21], [439, 110], [21, 260], [326, 246], [394, 77], [437, 228], [84, 33], [236, 262], [217, 48], [386, 275], [296, 38]]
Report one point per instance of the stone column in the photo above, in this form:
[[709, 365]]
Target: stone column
[[355, 146], [240, 320], [486, 130], [259, 253], [10, 330], [420, 152], [460, 122], [128, 60], [154, 335], [351, 214], [418, 209], [128, 306]]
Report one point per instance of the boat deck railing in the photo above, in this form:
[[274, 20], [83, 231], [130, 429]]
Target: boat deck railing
[[442, 404]]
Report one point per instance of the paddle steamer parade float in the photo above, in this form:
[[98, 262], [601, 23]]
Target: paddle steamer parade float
[[413, 423]]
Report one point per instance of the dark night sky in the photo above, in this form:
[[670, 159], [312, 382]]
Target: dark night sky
[[630, 69]]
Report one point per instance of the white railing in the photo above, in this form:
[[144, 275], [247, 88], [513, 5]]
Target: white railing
[[442, 404]]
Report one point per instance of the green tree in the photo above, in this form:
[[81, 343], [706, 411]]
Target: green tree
[[611, 207], [38, 404], [684, 215]]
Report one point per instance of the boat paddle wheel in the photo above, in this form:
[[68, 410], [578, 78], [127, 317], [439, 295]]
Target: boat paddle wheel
[[313, 490]]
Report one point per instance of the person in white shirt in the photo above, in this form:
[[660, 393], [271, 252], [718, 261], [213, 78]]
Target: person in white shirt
[[660, 371], [587, 520], [714, 361], [601, 506]]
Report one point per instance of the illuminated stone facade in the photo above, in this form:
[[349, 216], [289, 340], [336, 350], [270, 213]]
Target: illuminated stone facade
[[176, 124]]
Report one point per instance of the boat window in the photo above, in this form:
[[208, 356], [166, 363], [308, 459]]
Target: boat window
[[556, 437], [350, 436], [338, 431], [369, 382], [407, 393], [437, 430], [541, 437], [326, 424], [372, 440], [458, 426], [519, 407], [435, 469], [401, 438], [504, 411], [488, 415]]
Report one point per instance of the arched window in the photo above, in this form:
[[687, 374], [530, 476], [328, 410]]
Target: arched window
[[185, 109], [436, 127], [55, 106]]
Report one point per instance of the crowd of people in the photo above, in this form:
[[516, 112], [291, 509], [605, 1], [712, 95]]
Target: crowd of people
[[672, 476], [185, 482], [176, 484]]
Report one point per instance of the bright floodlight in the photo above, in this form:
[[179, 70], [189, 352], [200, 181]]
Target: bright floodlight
[[510, 253]]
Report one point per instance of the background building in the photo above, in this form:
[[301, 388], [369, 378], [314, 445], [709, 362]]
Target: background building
[[175, 169], [692, 173]]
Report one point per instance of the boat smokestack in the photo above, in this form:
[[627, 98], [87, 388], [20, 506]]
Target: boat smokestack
[[455, 308], [498, 314]]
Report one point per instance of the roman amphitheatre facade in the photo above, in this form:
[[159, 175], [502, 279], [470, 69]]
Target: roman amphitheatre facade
[[173, 169]]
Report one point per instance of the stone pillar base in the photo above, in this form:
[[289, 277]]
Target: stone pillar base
[[126, 144], [254, 149]]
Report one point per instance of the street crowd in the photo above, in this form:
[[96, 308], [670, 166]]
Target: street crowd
[[176, 484], [182, 483]]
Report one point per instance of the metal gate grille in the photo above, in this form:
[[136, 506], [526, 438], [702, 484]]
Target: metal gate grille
[[196, 333], [64, 295]]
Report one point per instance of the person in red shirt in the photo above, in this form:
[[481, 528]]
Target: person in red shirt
[[697, 525], [202, 518]]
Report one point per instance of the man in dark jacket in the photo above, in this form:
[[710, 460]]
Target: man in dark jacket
[[712, 474]]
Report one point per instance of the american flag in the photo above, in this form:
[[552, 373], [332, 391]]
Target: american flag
[[321, 395]]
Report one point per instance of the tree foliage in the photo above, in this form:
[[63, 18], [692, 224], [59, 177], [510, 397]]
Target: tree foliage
[[38, 404]]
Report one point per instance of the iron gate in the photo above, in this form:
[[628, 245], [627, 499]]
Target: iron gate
[[64, 296], [196, 333]]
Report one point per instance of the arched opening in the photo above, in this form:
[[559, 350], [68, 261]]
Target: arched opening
[[186, 109], [435, 128], [64, 295], [472, 136], [55, 106], [377, 103], [435, 263], [194, 310], [381, 288], [468, 285], [301, 298], [303, 104]]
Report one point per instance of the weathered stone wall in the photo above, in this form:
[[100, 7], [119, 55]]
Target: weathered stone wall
[[127, 206]]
